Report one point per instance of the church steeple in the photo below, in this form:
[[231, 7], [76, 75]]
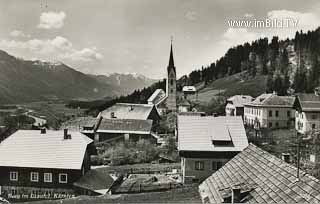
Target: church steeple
[[171, 85], [171, 61]]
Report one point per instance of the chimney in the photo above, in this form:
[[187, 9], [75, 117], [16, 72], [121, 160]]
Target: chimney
[[65, 134], [112, 115], [286, 157], [235, 196], [43, 131], [317, 91], [131, 108]]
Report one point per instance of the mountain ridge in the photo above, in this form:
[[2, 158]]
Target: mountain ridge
[[34, 80]]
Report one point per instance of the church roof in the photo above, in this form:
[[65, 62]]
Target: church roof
[[171, 61]]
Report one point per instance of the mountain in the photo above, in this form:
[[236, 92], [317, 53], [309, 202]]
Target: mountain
[[26, 81], [127, 83]]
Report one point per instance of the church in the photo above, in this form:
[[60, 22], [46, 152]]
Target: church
[[165, 101]]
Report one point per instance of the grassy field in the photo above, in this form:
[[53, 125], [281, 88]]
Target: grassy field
[[55, 112], [232, 85]]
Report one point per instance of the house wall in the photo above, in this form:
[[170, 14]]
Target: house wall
[[307, 121], [122, 137], [189, 159], [25, 189], [261, 114], [189, 168]]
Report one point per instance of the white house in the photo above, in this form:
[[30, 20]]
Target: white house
[[206, 143], [270, 111], [307, 112]]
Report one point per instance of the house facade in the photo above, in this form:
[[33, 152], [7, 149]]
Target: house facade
[[307, 114], [158, 99], [270, 111], [125, 130], [235, 105], [206, 143], [42, 164]]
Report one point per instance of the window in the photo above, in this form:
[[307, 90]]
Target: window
[[216, 165], [34, 176], [13, 176], [277, 113], [63, 178], [289, 114], [314, 117], [270, 125], [288, 123], [270, 113], [14, 191], [277, 124], [171, 81], [313, 126], [199, 165], [171, 90], [47, 177]]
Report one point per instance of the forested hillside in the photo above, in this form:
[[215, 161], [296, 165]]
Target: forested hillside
[[290, 66]]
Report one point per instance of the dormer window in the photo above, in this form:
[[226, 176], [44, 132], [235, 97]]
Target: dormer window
[[221, 137]]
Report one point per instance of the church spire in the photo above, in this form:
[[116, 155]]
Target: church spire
[[171, 61]]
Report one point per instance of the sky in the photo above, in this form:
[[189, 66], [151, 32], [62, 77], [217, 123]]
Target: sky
[[133, 36]]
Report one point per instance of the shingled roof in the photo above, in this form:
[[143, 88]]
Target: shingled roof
[[309, 102], [125, 126], [239, 100], [197, 133], [262, 178], [95, 180], [78, 123], [129, 111], [273, 100]]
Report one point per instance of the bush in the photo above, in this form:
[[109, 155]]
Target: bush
[[131, 153]]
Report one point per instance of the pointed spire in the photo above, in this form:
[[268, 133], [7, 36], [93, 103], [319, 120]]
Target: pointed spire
[[171, 61]]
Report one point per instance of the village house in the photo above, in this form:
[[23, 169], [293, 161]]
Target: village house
[[131, 111], [42, 164], [256, 176], [158, 98], [235, 105], [115, 130], [307, 112], [206, 143], [184, 106], [85, 125], [270, 111], [189, 90]]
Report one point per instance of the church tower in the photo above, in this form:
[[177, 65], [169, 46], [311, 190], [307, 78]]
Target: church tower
[[171, 84]]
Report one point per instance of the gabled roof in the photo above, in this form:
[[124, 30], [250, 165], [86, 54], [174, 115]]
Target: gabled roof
[[197, 133], [95, 180], [76, 124], [129, 111], [273, 100], [157, 97], [262, 178], [240, 100], [125, 126], [309, 102], [29, 148], [189, 88]]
